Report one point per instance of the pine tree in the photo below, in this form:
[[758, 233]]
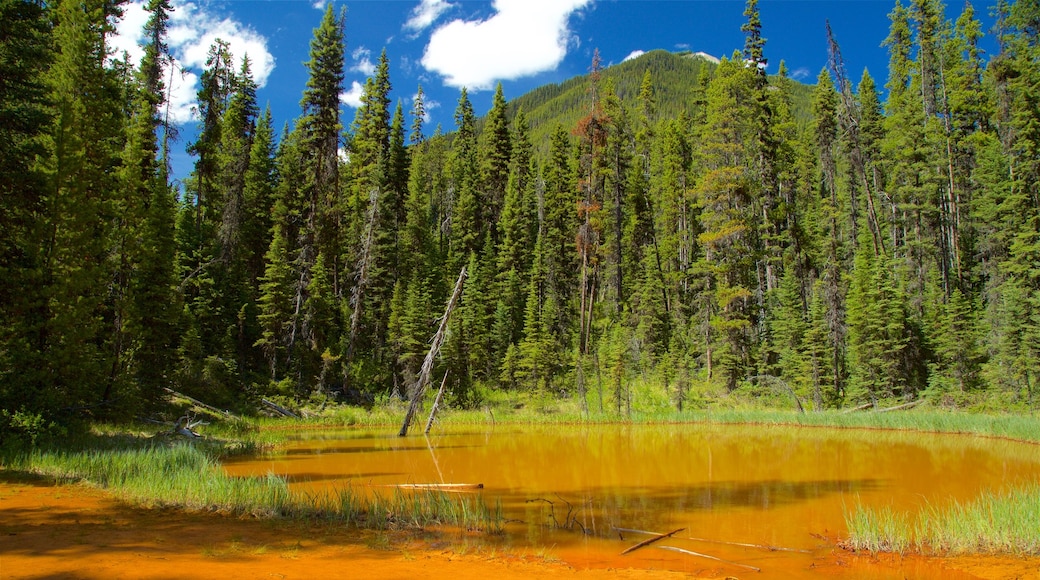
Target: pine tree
[[557, 230], [495, 151], [729, 221], [878, 337], [518, 227], [467, 225], [151, 310]]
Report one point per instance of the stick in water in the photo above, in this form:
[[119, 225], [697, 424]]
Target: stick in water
[[692, 553], [649, 541]]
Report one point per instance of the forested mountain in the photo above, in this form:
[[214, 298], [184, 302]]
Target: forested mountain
[[690, 234], [678, 85]]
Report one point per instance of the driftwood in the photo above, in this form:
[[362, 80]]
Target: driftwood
[[278, 409], [910, 405], [743, 545], [699, 555], [436, 404], [427, 367], [199, 403], [437, 486], [186, 426], [647, 542]]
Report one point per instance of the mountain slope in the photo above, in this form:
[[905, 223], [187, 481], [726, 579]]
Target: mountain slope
[[674, 76]]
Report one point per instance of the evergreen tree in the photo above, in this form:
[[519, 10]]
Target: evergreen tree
[[729, 220], [466, 217], [518, 227], [496, 149], [26, 43], [151, 310]]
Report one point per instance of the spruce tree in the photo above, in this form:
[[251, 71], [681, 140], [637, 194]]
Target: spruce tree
[[495, 152]]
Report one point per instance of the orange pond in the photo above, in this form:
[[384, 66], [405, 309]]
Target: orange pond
[[761, 486]]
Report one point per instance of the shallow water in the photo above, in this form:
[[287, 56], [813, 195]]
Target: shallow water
[[565, 489]]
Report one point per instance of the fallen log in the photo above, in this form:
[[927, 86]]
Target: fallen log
[[699, 555], [438, 486], [199, 403], [909, 405], [278, 409], [186, 426], [862, 407], [647, 542]]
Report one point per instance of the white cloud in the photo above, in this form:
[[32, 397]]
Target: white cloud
[[130, 32], [352, 98], [363, 61], [319, 4], [426, 13], [522, 38], [634, 54], [800, 74], [192, 30]]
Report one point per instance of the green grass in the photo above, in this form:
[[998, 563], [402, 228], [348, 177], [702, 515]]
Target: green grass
[[877, 530], [511, 407], [189, 476], [995, 523]]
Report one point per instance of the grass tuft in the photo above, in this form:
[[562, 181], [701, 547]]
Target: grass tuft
[[995, 523]]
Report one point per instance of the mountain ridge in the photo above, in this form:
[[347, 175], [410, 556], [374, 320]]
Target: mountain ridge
[[674, 76]]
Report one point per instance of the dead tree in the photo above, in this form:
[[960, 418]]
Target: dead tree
[[427, 367]]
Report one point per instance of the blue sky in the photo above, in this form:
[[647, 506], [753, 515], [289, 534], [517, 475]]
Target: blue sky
[[446, 44]]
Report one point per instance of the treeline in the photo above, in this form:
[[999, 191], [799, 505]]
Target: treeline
[[878, 251]]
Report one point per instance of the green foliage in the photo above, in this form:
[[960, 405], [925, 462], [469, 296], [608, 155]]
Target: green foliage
[[665, 230], [996, 523]]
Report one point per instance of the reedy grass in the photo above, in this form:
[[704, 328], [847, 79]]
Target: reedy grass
[[184, 475], [995, 523]]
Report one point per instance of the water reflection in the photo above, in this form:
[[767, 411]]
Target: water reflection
[[767, 485]]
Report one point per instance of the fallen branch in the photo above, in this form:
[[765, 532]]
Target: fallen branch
[[647, 542], [901, 407], [699, 555], [743, 545], [186, 426], [441, 486], [195, 401], [278, 409], [722, 542], [862, 407]]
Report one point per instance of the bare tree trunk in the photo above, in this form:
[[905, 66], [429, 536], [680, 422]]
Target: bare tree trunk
[[436, 404], [427, 367]]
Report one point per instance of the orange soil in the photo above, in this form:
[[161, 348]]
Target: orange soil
[[75, 531]]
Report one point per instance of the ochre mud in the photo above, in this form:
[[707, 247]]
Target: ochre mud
[[75, 531]]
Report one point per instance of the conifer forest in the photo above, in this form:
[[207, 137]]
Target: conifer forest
[[872, 237]]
